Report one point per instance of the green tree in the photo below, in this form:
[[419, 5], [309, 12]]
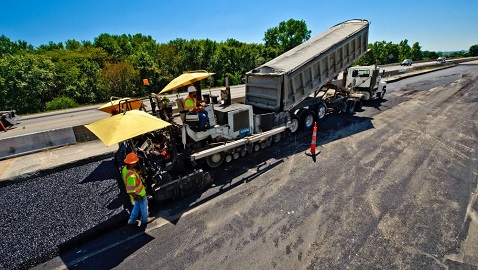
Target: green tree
[[60, 103], [72, 44], [416, 53], [393, 52], [473, 51], [9, 47], [51, 46], [118, 79], [109, 43], [458, 54], [6, 46], [143, 62], [404, 50], [226, 62], [287, 35], [88, 82], [431, 55], [26, 82], [167, 60], [146, 43], [383, 52]]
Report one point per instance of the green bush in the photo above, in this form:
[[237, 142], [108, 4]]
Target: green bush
[[61, 103]]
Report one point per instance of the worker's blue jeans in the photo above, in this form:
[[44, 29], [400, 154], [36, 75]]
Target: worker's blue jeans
[[140, 206], [202, 119]]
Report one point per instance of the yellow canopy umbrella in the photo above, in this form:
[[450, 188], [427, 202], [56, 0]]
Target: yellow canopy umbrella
[[186, 78], [121, 105], [124, 126]]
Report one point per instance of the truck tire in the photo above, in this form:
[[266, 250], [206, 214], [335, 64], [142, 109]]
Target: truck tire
[[308, 119], [276, 138], [294, 123], [321, 112], [215, 160], [351, 106]]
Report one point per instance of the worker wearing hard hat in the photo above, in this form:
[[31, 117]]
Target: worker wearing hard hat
[[136, 190], [193, 106]]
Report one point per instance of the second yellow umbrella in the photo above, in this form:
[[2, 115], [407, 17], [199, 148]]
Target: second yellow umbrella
[[186, 78], [122, 104]]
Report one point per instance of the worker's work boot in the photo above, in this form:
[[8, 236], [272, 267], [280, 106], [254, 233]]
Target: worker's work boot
[[150, 219], [135, 223]]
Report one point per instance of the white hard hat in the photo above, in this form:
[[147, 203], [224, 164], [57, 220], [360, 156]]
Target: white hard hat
[[191, 89]]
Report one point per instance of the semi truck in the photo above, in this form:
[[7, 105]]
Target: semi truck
[[280, 95], [365, 80], [357, 85]]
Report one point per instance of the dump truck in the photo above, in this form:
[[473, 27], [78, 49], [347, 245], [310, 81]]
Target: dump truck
[[291, 82], [280, 95]]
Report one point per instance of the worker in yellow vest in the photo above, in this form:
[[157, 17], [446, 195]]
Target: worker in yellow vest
[[136, 191], [193, 106]]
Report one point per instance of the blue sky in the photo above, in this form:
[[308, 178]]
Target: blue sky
[[438, 25]]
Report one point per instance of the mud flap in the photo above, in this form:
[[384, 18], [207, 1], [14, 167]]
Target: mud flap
[[182, 186]]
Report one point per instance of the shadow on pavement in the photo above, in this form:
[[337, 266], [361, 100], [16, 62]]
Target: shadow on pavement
[[226, 178]]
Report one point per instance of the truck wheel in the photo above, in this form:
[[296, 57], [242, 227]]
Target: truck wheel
[[359, 105], [276, 138], [243, 151], [308, 119], [351, 106], [321, 112], [257, 147], [215, 160], [294, 123]]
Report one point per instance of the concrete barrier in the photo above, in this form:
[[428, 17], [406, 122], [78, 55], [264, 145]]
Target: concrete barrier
[[34, 142]]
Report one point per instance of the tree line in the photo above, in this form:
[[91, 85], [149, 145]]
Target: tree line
[[72, 73]]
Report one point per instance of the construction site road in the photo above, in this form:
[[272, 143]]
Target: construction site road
[[394, 187]]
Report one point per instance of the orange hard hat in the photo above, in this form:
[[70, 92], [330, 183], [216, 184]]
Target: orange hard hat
[[131, 158]]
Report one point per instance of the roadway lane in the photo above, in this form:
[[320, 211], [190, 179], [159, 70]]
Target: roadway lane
[[394, 188]]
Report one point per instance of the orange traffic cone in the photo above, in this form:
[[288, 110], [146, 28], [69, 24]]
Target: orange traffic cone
[[3, 127], [313, 143]]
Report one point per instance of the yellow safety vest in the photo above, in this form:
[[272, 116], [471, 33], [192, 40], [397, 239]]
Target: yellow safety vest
[[190, 103], [132, 182]]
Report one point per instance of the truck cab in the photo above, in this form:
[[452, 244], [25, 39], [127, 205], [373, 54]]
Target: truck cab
[[366, 80]]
